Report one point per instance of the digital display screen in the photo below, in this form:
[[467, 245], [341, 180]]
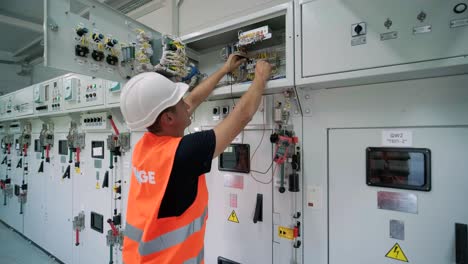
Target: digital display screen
[[235, 158], [222, 260], [37, 145], [97, 222], [63, 147], [97, 149], [402, 168]]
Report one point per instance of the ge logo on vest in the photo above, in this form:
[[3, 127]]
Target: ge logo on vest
[[143, 176]]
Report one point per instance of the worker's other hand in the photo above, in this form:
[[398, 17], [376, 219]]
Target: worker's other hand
[[232, 63], [262, 70]]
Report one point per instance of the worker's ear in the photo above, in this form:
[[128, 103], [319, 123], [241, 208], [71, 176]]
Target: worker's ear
[[168, 118]]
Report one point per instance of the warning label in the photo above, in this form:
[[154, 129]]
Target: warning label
[[397, 253], [285, 232], [233, 217]]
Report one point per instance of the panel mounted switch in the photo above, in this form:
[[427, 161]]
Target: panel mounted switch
[[81, 51], [460, 8], [258, 214], [112, 60], [97, 55], [359, 29]]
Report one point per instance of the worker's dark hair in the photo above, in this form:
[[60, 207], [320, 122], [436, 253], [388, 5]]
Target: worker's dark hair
[[156, 126]]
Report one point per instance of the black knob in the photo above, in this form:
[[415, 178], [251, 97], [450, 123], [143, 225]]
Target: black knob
[[81, 31], [94, 94], [460, 8], [112, 42], [294, 165], [274, 138], [282, 189], [358, 29]]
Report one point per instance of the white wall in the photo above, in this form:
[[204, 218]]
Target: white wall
[[10, 81], [159, 20], [196, 15]]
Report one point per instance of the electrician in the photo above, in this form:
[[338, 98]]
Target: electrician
[[168, 198]]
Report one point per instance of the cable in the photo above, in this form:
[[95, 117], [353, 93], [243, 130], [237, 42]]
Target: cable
[[264, 172], [231, 81], [263, 134], [271, 179], [255, 152]]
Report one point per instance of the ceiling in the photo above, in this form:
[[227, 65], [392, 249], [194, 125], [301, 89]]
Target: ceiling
[[21, 27]]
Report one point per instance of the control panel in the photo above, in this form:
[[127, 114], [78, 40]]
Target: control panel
[[19, 103], [268, 37], [212, 112], [2, 106], [94, 121], [110, 45], [365, 40], [56, 91], [8, 108], [41, 98], [16, 128], [82, 91], [113, 92]]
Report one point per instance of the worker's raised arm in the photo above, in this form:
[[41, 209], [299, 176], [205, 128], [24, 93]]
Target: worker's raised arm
[[244, 111], [204, 89]]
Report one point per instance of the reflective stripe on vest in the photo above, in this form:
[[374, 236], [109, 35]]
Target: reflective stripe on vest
[[198, 259], [133, 233], [167, 240]]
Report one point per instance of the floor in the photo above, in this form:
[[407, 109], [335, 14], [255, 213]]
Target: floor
[[14, 249]]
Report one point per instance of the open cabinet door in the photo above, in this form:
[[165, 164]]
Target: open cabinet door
[[90, 38]]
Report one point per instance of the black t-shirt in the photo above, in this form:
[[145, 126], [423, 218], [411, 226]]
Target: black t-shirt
[[192, 159]]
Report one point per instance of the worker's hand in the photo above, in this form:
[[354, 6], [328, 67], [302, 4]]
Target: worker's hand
[[262, 70], [232, 63]]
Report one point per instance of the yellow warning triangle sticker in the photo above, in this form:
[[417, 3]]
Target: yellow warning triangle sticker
[[233, 217], [397, 253]]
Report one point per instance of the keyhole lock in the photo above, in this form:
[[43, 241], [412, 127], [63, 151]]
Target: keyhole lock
[[388, 23], [422, 16]]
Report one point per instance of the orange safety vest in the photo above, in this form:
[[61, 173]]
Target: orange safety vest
[[172, 240]]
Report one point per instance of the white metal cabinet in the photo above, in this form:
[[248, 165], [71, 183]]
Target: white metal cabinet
[[360, 231], [207, 44], [326, 54], [35, 206], [59, 235]]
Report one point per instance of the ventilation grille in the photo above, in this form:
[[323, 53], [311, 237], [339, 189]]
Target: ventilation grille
[[126, 6]]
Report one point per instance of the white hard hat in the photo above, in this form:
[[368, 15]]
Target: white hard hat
[[146, 95]]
